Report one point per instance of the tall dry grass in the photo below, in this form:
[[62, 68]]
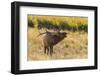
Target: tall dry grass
[[74, 46]]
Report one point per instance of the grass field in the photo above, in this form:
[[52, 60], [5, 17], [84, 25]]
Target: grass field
[[74, 46]]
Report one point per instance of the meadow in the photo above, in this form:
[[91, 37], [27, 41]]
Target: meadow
[[74, 46]]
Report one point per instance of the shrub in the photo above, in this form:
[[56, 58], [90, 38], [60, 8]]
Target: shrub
[[50, 22]]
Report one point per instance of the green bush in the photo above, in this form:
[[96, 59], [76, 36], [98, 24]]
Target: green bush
[[50, 22]]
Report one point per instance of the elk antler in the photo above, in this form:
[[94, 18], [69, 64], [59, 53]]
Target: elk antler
[[40, 33]]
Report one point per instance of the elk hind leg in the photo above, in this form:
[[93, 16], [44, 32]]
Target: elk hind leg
[[48, 50], [45, 50]]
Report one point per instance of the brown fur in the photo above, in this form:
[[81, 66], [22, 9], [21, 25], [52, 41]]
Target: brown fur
[[50, 39]]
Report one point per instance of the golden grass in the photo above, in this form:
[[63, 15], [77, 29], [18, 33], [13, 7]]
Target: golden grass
[[74, 46]]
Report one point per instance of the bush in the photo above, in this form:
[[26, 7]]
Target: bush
[[50, 22], [30, 23]]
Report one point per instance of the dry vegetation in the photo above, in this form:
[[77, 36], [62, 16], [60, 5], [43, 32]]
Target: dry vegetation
[[74, 46]]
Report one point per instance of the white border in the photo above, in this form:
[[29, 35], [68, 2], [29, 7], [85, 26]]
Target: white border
[[26, 65]]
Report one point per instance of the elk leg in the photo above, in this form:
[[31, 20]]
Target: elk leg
[[45, 50], [51, 50]]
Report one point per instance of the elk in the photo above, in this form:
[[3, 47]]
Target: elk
[[50, 39]]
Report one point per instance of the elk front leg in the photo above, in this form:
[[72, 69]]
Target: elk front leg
[[51, 50], [48, 50]]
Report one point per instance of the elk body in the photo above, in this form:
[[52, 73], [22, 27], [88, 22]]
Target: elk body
[[50, 39]]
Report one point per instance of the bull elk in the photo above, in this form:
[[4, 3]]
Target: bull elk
[[50, 39]]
